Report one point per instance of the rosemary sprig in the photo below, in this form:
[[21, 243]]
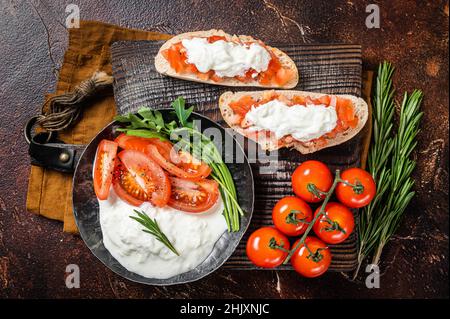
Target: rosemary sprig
[[390, 164], [152, 228]]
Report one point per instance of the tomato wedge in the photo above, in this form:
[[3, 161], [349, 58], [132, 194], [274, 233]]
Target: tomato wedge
[[181, 164], [193, 196], [129, 142], [103, 168], [148, 175], [126, 187]]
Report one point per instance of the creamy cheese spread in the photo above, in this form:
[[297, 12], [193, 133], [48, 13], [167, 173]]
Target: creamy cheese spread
[[226, 59], [303, 122], [192, 235]]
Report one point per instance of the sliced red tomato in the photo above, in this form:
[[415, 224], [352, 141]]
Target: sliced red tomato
[[103, 168], [129, 142], [298, 99], [325, 99], [248, 76], [243, 105], [126, 187], [346, 113], [283, 76], [181, 164], [175, 57], [193, 196], [215, 38], [269, 76], [148, 175], [216, 78]]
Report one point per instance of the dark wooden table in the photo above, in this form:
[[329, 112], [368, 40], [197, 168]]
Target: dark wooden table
[[413, 35]]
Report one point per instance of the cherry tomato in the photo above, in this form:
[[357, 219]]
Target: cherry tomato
[[103, 168], [310, 175], [361, 193], [336, 225], [263, 247], [288, 213], [147, 175], [193, 196], [313, 259]]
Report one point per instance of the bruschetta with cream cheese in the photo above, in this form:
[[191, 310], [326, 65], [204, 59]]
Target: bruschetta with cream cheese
[[305, 121], [216, 57]]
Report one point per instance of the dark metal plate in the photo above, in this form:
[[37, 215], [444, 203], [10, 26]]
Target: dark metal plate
[[329, 68], [86, 210]]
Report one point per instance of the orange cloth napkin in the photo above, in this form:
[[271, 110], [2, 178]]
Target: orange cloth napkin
[[50, 192]]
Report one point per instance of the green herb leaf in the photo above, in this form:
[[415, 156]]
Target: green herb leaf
[[122, 118], [143, 133], [146, 113], [159, 121], [152, 228], [182, 113]]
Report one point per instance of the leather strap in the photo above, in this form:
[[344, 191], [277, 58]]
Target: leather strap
[[47, 151]]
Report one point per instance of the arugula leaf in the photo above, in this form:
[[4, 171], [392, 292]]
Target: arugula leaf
[[159, 121], [143, 133], [136, 122], [182, 113], [171, 126], [122, 118], [146, 113]]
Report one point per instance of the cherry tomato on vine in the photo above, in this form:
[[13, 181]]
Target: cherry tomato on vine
[[312, 258], [336, 225], [267, 247], [361, 191], [289, 214], [309, 177]]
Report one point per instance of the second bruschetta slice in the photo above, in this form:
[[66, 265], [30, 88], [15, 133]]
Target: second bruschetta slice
[[216, 57], [305, 121]]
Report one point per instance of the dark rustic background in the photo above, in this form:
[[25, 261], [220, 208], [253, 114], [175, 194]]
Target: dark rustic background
[[413, 35]]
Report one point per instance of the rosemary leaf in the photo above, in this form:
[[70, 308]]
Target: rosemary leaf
[[390, 164], [152, 228]]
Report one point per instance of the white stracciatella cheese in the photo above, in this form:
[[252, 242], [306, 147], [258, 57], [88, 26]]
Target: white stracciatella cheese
[[193, 236], [303, 122], [227, 59]]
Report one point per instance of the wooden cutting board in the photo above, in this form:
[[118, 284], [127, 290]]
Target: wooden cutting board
[[328, 68]]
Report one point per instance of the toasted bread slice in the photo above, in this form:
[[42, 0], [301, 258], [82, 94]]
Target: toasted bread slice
[[163, 66], [270, 144]]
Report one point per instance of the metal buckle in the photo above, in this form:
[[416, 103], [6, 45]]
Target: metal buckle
[[28, 133]]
